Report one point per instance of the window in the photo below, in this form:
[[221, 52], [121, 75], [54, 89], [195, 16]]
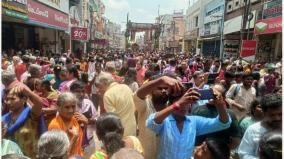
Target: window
[[237, 3], [230, 6], [196, 21]]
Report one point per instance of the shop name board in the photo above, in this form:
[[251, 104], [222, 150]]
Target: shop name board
[[15, 14], [14, 8], [78, 33], [39, 13], [266, 26], [248, 48], [272, 9]]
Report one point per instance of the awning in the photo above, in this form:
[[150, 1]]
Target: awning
[[36, 23], [210, 38]]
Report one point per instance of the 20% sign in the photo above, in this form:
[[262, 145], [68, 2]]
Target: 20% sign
[[79, 33]]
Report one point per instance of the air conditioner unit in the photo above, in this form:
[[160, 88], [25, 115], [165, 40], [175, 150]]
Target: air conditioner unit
[[229, 7]]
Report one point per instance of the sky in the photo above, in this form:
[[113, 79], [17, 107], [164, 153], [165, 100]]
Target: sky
[[143, 11]]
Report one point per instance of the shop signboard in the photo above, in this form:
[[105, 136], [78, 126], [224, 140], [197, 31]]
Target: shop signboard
[[79, 33], [272, 9], [267, 26], [248, 49], [15, 14], [46, 17], [15, 8], [231, 48], [61, 5], [214, 29]]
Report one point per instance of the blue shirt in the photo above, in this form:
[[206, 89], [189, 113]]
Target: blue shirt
[[176, 145]]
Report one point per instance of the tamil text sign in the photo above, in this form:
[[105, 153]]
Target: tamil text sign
[[38, 12]]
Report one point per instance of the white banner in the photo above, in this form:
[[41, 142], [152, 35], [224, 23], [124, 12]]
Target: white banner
[[61, 5]]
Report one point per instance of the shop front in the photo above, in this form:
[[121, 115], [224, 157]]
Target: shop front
[[269, 38], [15, 34], [232, 34], [51, 25], [190, 41], [210, 47]]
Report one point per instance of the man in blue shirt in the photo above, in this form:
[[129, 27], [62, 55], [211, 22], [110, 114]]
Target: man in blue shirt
[[178, 131]]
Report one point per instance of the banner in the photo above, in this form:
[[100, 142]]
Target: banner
[[266, 26], [47, 17], [248, 49], [78, 33]]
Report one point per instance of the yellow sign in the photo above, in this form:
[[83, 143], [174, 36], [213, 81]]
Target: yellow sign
[[15, 8]]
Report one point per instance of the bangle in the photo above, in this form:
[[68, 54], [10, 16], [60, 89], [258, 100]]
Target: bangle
[[176, 106]]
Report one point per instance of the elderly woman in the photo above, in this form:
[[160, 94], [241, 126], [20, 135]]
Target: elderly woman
[[68, 121], [23, 121], [53, 144]]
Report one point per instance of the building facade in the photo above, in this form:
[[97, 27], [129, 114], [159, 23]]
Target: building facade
[[211, 29], [114, 35], [173, 28], [236, 28], [41, 25], [268, 31]]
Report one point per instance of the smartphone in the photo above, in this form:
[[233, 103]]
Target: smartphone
[[206, 94]]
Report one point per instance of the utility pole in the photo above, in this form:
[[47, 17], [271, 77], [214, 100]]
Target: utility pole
[[244, 23], [249, 18], [174, 32]]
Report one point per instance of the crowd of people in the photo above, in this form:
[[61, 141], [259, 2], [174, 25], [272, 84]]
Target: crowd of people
[[122, 105]]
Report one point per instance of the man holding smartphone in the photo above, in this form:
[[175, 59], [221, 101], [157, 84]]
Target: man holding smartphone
[[178, 131], [149, 98]]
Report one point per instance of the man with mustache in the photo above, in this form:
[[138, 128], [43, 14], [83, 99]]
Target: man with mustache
[[272, 121], [149, 98]]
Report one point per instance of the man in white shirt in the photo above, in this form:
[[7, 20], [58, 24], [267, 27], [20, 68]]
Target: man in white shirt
[[240, 96], [272, 121], [93, 76]]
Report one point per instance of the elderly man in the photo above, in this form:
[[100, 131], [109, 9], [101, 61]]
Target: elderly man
[[110, 68], [117, 98]]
